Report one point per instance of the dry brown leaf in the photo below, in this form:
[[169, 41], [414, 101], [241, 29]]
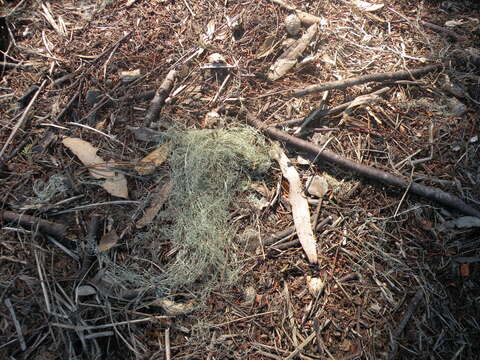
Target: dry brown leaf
[[108, 241], [153, 160], [300, 210], [159, 198], [115, 184]]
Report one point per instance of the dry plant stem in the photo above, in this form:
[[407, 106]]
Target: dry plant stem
[[368, 171], [406, 317], [379, 77], [31, 222], [22, 118], [320, 113], [160, 96], [18, 328]]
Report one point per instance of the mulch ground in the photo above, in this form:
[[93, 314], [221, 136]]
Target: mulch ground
[[394, 279]]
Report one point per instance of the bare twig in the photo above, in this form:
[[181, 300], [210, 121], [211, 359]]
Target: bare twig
[[32, 222], [160, 96], [379, 77], [22, 118]]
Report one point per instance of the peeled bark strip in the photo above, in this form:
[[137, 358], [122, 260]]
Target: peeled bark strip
[[300, 210], [379, 77], [160, 96], [428, 192]]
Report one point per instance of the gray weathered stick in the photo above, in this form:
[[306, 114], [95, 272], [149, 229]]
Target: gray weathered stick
[[388, 76], [367, 171]]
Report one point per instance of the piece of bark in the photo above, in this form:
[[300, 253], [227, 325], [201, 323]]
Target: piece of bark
[[290, 57], [428, 192], [379, 77], [160, 96], [300, 209], [32, 222]]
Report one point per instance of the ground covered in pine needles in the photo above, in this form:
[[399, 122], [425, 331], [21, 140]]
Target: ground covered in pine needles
[[191, 256]]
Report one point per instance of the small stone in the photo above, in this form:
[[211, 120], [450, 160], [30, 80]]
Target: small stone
[[293, 24]]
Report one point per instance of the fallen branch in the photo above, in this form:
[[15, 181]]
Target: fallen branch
[[379, 77], [32, 222], [368, 171], [160, 96]]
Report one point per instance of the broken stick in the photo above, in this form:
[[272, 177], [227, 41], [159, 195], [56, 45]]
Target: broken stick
[[32, 222], [379, 77], [160, 96], [428, 192]]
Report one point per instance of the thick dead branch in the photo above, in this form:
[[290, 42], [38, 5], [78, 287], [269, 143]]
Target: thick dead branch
[[379, 77], [32, 222], [160, 96], [428, 192]]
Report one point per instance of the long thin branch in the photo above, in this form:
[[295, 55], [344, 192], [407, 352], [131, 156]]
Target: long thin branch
[[368, 171], [379, 77]]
